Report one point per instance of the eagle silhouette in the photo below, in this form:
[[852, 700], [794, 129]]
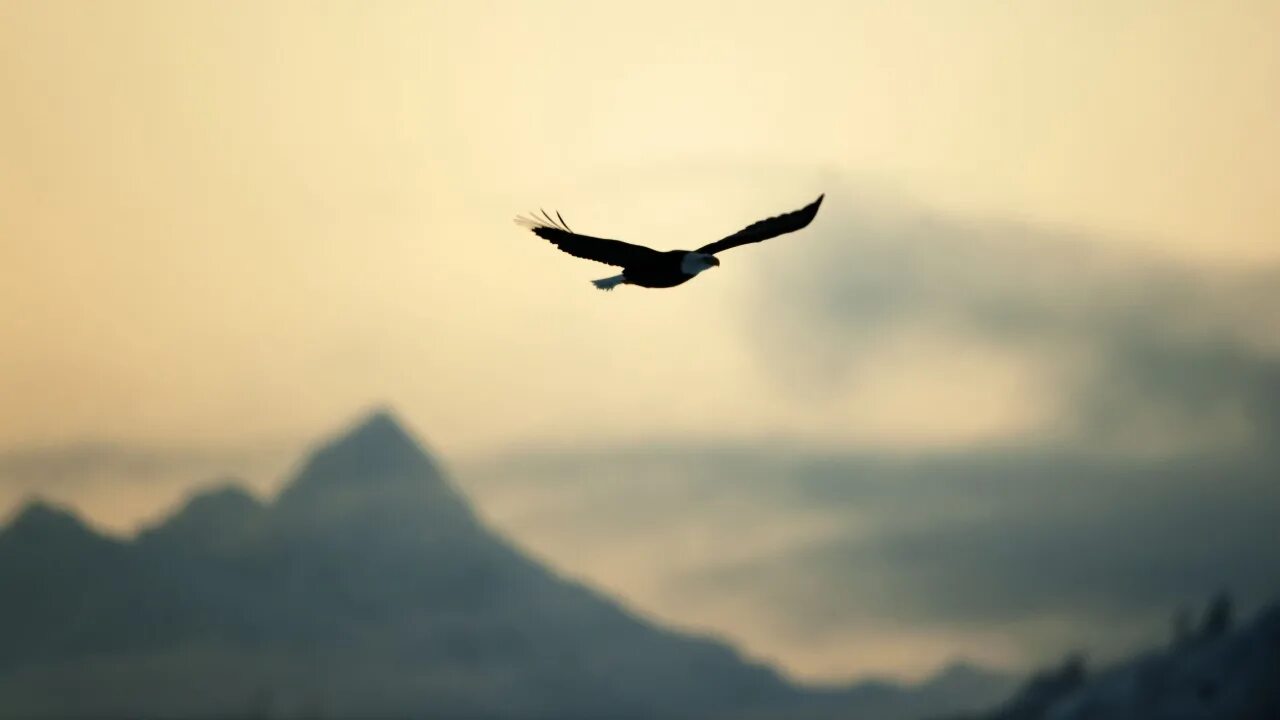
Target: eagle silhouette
[[646, 267]]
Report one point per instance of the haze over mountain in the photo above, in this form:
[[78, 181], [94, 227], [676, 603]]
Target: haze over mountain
[[368, 587]]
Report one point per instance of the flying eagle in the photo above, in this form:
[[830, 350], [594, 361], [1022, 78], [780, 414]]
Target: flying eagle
[[651, 268]]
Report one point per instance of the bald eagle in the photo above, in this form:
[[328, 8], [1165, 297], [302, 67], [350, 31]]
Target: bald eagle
[[651, 268]]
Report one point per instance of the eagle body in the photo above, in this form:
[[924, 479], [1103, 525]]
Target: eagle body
[[667, 269], [649, 268]]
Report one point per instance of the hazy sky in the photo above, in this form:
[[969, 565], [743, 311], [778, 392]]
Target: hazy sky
[[228, 227], [225, 220]]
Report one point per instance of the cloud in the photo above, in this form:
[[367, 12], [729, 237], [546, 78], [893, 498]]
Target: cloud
[[993, 538], [1127, 350], [825, 561]]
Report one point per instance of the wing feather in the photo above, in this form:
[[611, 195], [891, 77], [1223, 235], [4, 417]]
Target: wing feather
[[768, 228], [609, 252]]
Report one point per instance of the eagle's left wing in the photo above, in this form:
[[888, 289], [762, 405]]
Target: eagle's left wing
[[765, 229], [609, 252]]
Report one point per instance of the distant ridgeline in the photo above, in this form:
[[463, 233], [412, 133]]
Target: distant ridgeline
[[368, 589], [1207, 673]]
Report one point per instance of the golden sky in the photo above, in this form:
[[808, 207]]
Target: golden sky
[[230, 219], [237, 222]]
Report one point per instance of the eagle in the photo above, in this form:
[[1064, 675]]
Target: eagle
[[646, 267]]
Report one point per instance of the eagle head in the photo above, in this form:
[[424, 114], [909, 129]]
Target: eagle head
[[695, 262]]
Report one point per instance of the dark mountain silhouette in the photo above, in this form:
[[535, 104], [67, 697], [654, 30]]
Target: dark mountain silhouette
[[1217, 674], [210, 519], [368, 588]]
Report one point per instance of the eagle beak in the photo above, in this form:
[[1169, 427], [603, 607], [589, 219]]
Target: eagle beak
[[715, 261]]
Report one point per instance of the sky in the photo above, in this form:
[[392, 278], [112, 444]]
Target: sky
[[228, 228]]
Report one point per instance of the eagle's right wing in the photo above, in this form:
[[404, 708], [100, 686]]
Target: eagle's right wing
[[767, 228], [610, 252]]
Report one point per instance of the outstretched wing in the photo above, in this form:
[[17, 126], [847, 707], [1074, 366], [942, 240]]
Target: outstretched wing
[[765, 229], [610, 252]]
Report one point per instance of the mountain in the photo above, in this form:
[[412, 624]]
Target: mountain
[[367, 588], [958, 687], [1215, 674], [210, 519], [48, 562]]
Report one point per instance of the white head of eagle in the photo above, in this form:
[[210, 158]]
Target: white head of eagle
[[646, 267], [695, 262]]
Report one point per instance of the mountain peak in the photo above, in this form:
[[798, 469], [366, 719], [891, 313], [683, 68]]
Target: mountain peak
[[38, 512], [375, 453], [379, 426], [223, 508], [225, 493], [42, 521]]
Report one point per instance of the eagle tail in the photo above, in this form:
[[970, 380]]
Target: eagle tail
[[609, 283]]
